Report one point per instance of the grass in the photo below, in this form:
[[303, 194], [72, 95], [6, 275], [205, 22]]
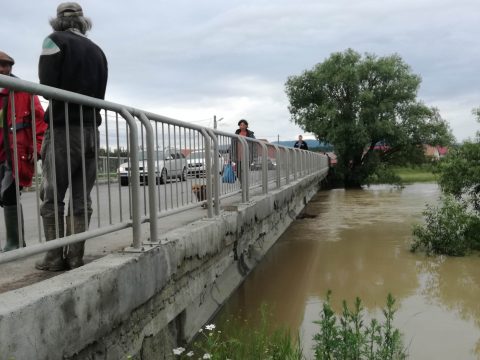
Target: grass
[[410, 175]]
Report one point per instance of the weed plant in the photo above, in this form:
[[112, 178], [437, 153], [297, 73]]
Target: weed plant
[[344, 337], [348, 337]]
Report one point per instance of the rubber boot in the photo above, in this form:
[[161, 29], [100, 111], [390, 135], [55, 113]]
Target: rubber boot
[[11, 225], [53, 260], [74, 253]]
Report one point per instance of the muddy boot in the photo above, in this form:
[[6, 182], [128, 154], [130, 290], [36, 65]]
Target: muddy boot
[[74, 254], [11, 225], [53, 260]]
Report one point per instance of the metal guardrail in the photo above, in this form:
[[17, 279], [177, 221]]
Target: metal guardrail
[[171, 166]]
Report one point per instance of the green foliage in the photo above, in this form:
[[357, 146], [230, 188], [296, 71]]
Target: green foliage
[[345, 337], [354, 102], [403, 175], [384, 174], [451, 229], [459, 173], [240, 341], [348, 337]]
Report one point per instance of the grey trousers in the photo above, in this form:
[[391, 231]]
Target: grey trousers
[[81, 203]]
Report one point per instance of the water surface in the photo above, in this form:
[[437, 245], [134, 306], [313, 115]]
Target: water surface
[[358, 245]]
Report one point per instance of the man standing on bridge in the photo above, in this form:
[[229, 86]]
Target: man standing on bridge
[[300, 144], [72, 62]]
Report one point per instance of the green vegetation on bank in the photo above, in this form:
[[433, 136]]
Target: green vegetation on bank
[[452, 228], [344, 336], [410, 175], [400, 175]]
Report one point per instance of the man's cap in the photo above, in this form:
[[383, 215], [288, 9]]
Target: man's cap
[[6, 57], [69, 9]]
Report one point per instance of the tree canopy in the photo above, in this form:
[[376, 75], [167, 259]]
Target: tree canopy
[[355, 102]]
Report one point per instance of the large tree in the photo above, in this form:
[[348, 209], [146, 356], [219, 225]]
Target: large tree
[[355, 102]]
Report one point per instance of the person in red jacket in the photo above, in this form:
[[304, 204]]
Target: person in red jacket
[[17, 151]]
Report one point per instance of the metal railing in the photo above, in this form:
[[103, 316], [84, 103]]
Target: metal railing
[[148, 166]]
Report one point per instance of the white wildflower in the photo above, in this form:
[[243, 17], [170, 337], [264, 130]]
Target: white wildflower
[[207, 356], [210, 327], [178, 351], [189, 354]]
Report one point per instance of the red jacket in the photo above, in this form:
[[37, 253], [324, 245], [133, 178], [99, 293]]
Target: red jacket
[[23, 120]]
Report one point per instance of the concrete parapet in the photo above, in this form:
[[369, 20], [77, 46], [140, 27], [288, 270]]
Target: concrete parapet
[[144, 304]]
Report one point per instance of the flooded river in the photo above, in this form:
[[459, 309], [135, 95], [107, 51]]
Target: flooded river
[[358, 245]]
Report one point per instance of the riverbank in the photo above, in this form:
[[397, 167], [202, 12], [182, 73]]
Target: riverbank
[[410, 175]]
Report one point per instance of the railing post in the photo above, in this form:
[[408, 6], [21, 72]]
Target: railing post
[[278, 167], [208, 171], [244, 174], [287, 164], [295, 164], [264, 167], [135, 179], [152, 175], [216, 171]]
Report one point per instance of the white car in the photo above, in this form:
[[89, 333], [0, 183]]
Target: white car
[[169, 164], [197, 164]]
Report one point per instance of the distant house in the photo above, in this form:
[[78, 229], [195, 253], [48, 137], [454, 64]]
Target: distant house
[[431, 152], [442, 151]]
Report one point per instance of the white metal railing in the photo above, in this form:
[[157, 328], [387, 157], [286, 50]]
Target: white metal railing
[[152, 166]]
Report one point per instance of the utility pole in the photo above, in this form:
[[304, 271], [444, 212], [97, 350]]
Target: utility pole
[[215, 121], [278, 139]]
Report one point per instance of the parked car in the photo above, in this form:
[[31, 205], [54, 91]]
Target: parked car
[[256, 164], [197, 164], [169, 164]]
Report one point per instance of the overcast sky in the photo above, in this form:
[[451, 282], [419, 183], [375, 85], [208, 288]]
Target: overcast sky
[[191, 59]]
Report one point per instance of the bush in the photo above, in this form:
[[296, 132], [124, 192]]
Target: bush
[[450, 229]]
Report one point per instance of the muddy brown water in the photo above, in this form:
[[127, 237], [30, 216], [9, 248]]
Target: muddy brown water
[[358, 245]]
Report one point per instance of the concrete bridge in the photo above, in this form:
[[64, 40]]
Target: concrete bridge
[[144, 300]]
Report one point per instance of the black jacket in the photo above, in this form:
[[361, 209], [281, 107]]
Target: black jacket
[[70, 61], [302, 146]]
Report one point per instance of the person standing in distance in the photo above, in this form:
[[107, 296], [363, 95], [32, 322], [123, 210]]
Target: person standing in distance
[[72, 62], [300, 144], [18, 104], [238, 149]]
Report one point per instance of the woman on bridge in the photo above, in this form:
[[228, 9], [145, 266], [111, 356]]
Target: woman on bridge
[[237, 149]]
